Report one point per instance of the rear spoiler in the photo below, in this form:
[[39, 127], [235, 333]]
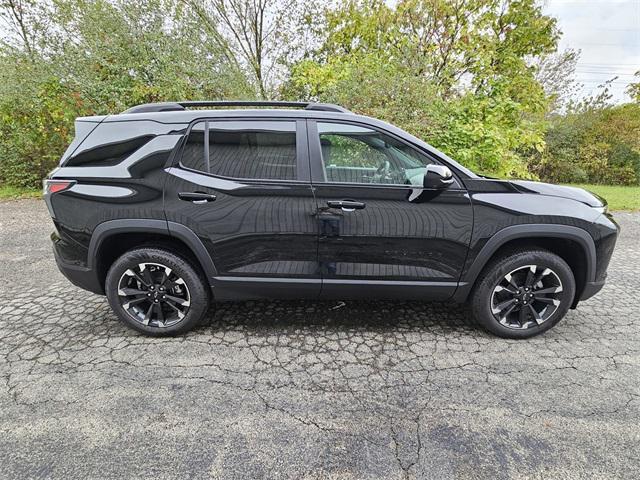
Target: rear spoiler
[[83, 127]]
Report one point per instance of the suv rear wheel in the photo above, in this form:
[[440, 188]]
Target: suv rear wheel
[[156, 292], [523, 294]]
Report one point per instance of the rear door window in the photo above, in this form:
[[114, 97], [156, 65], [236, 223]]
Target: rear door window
[[245, 149]]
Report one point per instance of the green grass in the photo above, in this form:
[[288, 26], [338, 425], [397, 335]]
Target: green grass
[[7, 192], [619, 198]]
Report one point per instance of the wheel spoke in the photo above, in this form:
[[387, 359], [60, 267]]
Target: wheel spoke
[[147, 316], [508, 311], [146, 274], [180, 301], [539, 277], [160, 314], [133, 302], [133, 274], [145, 289], [535, 314], [509, 280], [174, 307], [530, 276], [500, 288], [522, 317], [506, 304], [544, 291], [550, 301], [131, 292], [527, 294], [165, 276]]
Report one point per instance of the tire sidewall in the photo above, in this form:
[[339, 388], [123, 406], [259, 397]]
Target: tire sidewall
[[199, 295], [481, 302]]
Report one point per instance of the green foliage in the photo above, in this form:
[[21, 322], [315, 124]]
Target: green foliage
[[599, 146], [100, 57], [8, 192], [452, 73], [125, 53], [634, 88], [36, 121], [475, 78]]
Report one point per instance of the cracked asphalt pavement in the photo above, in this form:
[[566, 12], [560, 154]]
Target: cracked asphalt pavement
[[308, 390]]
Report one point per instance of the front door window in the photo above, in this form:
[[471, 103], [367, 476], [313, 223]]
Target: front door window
[[355, 154]]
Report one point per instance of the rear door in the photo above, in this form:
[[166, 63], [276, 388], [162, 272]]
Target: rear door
[[243, 186], [380, 231]]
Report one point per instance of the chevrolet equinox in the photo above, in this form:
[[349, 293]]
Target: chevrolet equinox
[[170, 206]]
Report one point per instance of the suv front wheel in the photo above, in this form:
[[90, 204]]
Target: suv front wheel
[[156, 292], [523, 294]]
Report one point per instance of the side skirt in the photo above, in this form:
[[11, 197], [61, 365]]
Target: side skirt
[[246, 288], [386, 290], [254, 288]]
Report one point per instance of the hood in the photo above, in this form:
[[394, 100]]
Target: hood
[[573, 193]]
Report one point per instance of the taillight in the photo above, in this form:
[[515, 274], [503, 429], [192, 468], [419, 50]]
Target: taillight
[[55, 186]]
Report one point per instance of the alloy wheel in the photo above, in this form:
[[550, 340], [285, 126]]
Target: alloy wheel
[[154, 295], [526, 297]]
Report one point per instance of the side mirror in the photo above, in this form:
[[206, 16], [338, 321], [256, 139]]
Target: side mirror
[[437, 177]]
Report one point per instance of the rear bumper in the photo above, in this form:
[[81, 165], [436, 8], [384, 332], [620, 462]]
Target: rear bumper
[[80, 276]]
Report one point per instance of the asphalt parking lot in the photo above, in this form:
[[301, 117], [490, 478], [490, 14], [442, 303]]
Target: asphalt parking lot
[[310, 390]]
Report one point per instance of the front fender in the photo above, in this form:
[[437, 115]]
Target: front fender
[[500, 238]]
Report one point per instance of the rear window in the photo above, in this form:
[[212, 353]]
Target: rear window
[[243, 149]]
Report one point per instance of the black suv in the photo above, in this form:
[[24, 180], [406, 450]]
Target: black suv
[[168, 206]]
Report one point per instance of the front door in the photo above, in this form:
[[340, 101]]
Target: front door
[[379, 229], [243, 187]]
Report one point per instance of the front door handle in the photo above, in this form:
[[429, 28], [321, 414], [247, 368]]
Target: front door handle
[[196, 197], [346, 205]]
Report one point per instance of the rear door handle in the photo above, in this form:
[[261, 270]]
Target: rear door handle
[[346, 205], [196, 197]]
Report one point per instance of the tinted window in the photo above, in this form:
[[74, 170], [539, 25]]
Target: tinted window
[[354, 154], [243, 149]]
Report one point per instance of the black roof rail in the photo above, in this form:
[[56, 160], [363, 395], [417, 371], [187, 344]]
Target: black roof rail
[[326, 107], [177, 106], [155, 107]]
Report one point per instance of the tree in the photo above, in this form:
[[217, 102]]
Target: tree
[[21, 20], [480, 79], [118, 53], [634, 89], [98, 57], [254, 33], [592, 143], [455, 72], [556, 74]]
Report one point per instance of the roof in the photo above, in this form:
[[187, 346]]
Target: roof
[[186, 112], [181, 106], [188, 116]]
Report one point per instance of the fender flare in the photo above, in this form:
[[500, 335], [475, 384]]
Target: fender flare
[[171, 229], [579, 235]]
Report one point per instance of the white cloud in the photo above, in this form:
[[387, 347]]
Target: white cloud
[[607, 32]]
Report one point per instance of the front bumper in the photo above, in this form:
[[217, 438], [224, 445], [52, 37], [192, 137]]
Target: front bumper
[[591, 288]]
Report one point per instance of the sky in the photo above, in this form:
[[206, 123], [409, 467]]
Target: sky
[[607, 32]]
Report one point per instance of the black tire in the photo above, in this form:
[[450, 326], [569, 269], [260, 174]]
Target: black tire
[[518, 316], [186, 288]]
